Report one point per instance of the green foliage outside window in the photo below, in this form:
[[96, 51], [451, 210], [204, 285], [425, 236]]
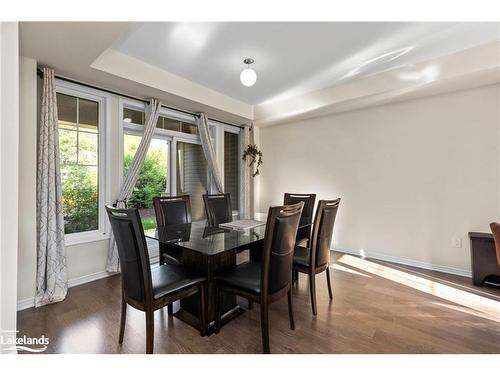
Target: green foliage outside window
[[80, 182], [78, 155], [152, 178], [80, 198]]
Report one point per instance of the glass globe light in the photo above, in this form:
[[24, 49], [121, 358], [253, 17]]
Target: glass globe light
[[248, 77]]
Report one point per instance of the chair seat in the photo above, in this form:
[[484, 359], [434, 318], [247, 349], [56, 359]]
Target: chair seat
[[245, 276], [301, 256], [169, 278]]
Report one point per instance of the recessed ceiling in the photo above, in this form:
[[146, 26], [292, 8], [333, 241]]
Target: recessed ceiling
[[293, 58]]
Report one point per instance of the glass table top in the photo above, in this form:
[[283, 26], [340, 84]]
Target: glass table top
[[197, 236]]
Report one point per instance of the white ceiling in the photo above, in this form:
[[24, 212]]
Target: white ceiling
[[293, 58]]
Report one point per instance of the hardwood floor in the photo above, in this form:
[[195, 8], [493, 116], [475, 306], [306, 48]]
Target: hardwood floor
[[378, 307]]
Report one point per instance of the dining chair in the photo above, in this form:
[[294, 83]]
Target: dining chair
[[316, 258], [171, 211], [145, 288], [303, 234], [218, 208], [495, 229], [267, 281]]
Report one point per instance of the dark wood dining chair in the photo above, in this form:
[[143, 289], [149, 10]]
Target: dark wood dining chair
[[267, 281], [218, 208], [495, 230], [171, 211], [145, 288], [316, 258], [303, 234]]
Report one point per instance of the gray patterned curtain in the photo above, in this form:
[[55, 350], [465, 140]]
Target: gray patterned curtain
[[208, 150], [51, 280], [112, 262]]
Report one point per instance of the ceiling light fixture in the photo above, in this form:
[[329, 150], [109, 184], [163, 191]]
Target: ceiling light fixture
[[248, 77]]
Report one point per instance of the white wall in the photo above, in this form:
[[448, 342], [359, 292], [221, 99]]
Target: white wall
[[9, 134], [26, 275], [411, 175]]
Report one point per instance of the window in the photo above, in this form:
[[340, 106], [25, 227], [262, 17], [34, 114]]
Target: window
[[192, 176], [78, 140], [232, 167], [81, 115], [134, 116], [153, 178], [175, 163]]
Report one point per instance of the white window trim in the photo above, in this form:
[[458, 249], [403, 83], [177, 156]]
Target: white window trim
[[104, 167]]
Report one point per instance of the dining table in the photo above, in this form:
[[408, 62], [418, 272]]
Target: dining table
[[209, 250]]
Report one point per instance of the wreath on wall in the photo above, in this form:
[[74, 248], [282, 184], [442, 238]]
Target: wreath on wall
[[253, 153]]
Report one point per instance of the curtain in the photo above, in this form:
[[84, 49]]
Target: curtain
[[51, 277], [208, 150], [245, 178], [112, 262]]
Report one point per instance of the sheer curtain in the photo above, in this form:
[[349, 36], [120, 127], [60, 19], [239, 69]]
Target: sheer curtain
[[112, 262], [208, 150], [51, 278]]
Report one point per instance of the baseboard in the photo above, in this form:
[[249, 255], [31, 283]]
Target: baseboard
[[30, 302], [88, 278], [26, 303], [406, 262]]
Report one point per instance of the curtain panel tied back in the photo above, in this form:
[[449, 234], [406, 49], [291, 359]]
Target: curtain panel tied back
[[153, 112]]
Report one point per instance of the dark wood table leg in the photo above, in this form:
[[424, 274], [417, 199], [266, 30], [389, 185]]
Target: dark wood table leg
[[208, 266]]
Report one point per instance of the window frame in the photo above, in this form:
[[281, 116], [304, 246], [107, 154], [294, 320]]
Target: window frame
[[104, 168], [170, 136], [216, 129], [220, 128]]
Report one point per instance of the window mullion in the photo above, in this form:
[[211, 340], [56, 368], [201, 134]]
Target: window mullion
[[77, 131]]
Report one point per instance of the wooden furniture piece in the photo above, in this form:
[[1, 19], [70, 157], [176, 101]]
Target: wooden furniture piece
[[316, 258], [304, 233], [209, 251], [171, 211], [485, 268], [218, 208], [144, 288], [495, 229], [271, 279]]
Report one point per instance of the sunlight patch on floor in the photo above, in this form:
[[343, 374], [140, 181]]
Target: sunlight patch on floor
[[340, 267], [463, 309], [490, 309]]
